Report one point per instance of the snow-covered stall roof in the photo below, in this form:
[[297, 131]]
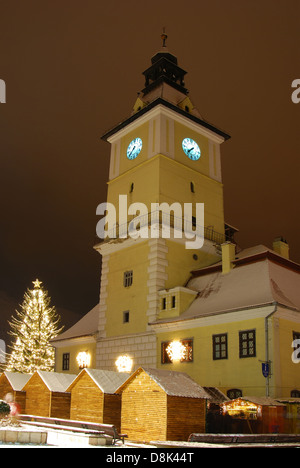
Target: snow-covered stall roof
[[173, 383], [17, 380], [55, 381], [107, 381]]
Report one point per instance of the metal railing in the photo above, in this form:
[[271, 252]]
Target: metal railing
[[165, 221]]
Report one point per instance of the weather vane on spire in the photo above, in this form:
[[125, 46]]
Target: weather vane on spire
[[164, 37]]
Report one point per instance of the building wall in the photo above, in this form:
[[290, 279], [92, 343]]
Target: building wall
[[86, 400], [160, 173], [38, 397], [112, 410], [233, 372], [5, 387], [144, 409], [132, 298], [60, 405], [18, 396], [141, 348], [185, 416], [288, 371], [74, 350]]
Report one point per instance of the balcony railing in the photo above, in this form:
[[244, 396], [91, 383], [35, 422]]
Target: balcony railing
[[152, 222]]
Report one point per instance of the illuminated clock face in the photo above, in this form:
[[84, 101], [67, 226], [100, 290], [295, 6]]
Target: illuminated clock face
[[191, 149], [134, 148]]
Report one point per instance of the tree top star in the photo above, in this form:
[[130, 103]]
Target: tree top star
[[37, 283]]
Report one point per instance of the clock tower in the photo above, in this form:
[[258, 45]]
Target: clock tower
[[164, 153]]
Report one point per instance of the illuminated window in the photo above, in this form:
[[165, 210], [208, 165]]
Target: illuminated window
[[247, 344], [188, 354], [220, 346], [128, 278]]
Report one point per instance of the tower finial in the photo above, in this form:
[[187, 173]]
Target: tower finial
[[164, 37]]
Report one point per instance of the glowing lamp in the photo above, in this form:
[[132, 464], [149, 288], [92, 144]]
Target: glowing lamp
[[176, 351], [84, 359], [124, 363]]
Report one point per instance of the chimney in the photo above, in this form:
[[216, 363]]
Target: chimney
[[228, 256], [281, 247]]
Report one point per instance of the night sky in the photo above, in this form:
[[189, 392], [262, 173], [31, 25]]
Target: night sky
[[72, 71]]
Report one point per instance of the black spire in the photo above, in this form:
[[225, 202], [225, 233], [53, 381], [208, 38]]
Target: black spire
[[164, 68]]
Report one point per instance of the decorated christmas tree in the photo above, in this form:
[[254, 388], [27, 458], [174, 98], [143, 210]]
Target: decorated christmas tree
[[33, 328]]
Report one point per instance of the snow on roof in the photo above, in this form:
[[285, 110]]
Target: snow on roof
[[88, 325], [17, 380], [251, 284], [55, 381], [107, 381], [216, 395], [173, 383]]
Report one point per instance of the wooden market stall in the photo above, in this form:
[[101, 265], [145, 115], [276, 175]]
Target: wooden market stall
[[162, 405], [257, 415], [292, 420], [93, 396], [46, 394], [13, 383]]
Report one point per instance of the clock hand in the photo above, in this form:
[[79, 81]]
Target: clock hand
[[190, 149], [131, 150]]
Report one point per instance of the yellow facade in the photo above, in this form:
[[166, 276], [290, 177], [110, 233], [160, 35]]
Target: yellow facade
[[224, 374], [162, 179], [235, 372], [287, 372], [156, 177], [132, 299], [73, 350], [147, 291]]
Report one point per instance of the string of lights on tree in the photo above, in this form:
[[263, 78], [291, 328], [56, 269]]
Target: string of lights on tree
[[33, 328]]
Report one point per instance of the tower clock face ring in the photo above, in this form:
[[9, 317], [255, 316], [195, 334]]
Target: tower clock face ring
[[134, 148], [191, 149]]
